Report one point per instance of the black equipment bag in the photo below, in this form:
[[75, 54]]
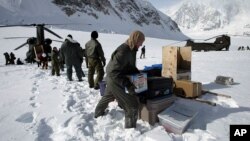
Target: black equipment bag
[[159, 86]]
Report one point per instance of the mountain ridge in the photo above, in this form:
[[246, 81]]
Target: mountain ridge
[[109, 16]]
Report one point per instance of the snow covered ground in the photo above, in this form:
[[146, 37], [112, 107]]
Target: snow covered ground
[[37, 106]]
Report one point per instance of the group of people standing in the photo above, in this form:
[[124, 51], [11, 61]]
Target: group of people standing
[[121, 64], [72, 54], [10, 59], [243, 48]]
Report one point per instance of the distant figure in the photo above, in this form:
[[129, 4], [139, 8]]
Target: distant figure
[[7, 58], [239, 48], [242, 48], [47, 48], [12, 58], [142, 52], [248, 48], [55, 62], [46, 56], [71, 53], [19, 62], [96, 60]]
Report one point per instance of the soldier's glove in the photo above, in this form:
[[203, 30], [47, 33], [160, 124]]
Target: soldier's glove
[[131, 89]]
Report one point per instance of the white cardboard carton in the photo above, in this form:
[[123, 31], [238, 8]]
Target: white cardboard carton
[[140, 82], [177, 118]]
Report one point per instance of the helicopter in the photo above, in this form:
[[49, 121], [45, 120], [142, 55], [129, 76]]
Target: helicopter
[[36, 44], [222, 42]]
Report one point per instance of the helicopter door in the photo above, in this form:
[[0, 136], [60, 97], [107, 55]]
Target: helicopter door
[[38, 49]]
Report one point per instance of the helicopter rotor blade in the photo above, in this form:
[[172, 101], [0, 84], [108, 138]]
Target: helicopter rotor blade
[[17, 25], [52, 32], [58, 41], [212, 37], [43, 24], [71, 24], [21, 46], [14, 37]]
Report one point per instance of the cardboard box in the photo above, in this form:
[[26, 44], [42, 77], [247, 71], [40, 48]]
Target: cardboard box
[[140, 82], [176, 62], [148, 112], [177, 118], [224, 80], [38, 49], [187, 88]]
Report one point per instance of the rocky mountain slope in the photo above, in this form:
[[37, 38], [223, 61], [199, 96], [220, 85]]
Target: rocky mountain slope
[[110, 16]]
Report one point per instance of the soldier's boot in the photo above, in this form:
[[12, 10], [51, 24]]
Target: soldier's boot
[[101, 113], [97, 87], [130, 121]]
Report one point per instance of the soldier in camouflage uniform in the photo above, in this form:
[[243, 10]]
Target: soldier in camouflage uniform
[[121, 64], [96, 60], [55, 62], [7, 58]]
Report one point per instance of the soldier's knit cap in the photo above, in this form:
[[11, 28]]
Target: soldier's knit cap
[[94, 34]]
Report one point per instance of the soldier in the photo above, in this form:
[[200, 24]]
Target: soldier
[[55, 62], [142, 52], [248, 48], [72, 54], [47, 48], [96, 61], [46, 56], [121, 64], [239, 48], [19, 62], [12, 58], [242, 48], [7, 58]]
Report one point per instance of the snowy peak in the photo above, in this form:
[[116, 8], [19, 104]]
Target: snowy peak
[[211, 14], [199, 16]]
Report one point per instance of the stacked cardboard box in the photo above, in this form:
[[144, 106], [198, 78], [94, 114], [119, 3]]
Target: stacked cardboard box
[[187, 88], [176, 62], [153, 107], [140, 82]]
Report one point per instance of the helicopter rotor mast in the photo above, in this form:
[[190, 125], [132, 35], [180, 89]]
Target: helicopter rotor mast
[[40, 34]]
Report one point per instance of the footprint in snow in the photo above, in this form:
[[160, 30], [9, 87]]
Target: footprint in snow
[[26, 118], [35, 105], [44, 131], [33, 98]]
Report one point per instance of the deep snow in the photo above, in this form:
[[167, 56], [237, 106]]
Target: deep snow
[[37, 106]]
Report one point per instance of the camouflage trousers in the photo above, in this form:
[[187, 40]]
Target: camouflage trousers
[[95, 65], [129, 103], [55, 69]]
